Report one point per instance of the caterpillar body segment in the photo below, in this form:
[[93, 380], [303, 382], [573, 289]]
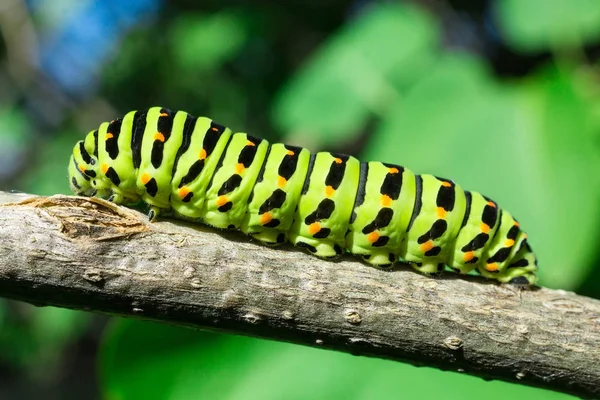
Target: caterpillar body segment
[[379, 221], [232, 182], [196, 169], [435, 225], [478, 226], [276, 194], [196, 161], [117, 158], [325, 206]]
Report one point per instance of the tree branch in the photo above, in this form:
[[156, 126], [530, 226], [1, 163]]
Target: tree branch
[[91, 255]]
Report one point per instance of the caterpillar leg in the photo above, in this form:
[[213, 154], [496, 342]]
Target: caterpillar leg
[[380, 259], [270, 237], [120, 197], [322, 249], [154, 212], [116, 198], [429, 268], [103, 193]]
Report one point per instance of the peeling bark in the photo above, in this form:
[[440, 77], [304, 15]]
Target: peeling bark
[[89, 254]]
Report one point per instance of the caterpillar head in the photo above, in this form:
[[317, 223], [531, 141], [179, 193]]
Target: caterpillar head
[[82, 170]]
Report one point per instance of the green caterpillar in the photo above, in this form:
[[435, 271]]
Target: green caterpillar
[[324, 202]]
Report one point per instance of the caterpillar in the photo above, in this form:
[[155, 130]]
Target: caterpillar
[[196, 169]]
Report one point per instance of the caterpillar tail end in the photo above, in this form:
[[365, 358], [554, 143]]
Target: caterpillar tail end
[[525, 274]]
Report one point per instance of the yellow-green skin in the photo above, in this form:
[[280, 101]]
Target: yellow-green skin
[[326, 203]]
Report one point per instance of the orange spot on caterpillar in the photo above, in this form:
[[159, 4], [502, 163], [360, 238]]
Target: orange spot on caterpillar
[[468, 256], [221, 200], [290, 153], [164, 114], [108, 136], [182, 192], [485, 228], [314, 228], [441, 213], [491, 204], [372, 237], [159, 136], [266, 218], [249, 143], [446, 184], [509, 243], [81, 167], [428, 245], [145, 178], [239, 168], [385, 200], [281, 181], [492, 267], [337, 160], [516, 223], [214, 129], [202, 154], [104, 167], [329, 191], [393, 170]]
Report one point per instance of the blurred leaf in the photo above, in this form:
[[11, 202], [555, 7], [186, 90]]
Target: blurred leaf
[[537, 25], [145, 360], [529, 147], [15, 135], [201, 43], [49, 175], [446, 117], [55, 326], [38, 336], [53, 329], [559, 151], [357, 73]]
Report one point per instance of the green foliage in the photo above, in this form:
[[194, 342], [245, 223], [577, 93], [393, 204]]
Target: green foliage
[[15, 132], [205, 43], [147, 360], [357, 73], [30, 336], [54, 156], [384, 84], [182, 65], [535, 25]]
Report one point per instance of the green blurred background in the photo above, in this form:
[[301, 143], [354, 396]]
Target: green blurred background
[[501, 96]]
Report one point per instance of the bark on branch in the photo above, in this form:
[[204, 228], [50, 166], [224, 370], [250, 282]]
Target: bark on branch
[[92, 255]]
